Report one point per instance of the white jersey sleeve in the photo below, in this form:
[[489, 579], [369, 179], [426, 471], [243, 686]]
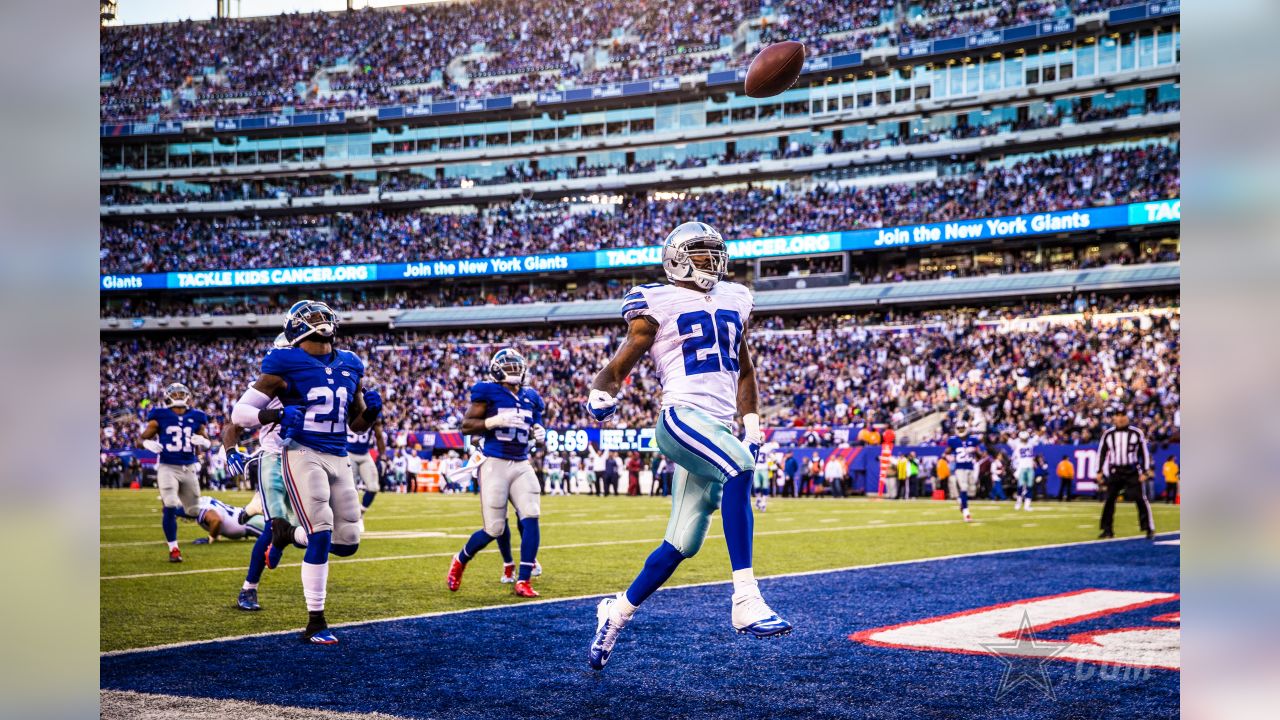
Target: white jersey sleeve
[[698, 342]]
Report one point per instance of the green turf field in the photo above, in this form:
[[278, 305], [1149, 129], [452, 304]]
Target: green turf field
[[590, 545]]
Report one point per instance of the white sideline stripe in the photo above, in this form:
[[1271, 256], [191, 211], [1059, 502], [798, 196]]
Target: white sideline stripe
[[603, 543], [485, 608]]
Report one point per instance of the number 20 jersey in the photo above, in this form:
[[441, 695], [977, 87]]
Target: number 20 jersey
[[697, 347], [324, 387]]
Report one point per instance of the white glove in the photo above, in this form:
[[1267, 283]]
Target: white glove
[[200, 441], [508, 418], [153, 445], [539, 433], [752, 434], [601, 404]]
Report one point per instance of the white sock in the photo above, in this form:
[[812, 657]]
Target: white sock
[[249, 586], [314, 580], [622, 611], [173, 545], [744, 581], [300, 536]]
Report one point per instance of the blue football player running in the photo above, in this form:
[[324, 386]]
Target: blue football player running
[[271, 499], [320, 388], [506, 413], [183, 430], [694, 328], [965, 473]]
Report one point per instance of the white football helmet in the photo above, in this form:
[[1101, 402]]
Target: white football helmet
[[690, 241]]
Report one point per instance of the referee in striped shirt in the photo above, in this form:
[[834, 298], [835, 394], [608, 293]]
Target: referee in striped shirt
[[1125, 462]]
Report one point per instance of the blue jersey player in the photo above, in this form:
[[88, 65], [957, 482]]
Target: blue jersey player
[[363, 467], [507, 414], [182, 430], [967, 450], [320, 389]]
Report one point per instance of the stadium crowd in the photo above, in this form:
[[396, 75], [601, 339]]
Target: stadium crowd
[[526, 171], [813, 370], [489, 47], [1052, 181]]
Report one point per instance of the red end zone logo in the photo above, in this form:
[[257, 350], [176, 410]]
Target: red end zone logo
[[1000, 629]]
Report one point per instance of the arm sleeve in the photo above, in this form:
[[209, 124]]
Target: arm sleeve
[[1102, 454], [245, 411], [636, 303], [1146, 451], [539, 407]]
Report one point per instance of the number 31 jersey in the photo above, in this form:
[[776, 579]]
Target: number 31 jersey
[[697, 347], [324, 387]]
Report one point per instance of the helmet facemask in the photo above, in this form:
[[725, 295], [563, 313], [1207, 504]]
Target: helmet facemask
[[177, 395], [311, 318], [696, 253], [508, 366]]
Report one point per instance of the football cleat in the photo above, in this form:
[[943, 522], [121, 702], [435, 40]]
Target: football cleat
[[753, 616], [175, 555], [967, 516], [454, 579], [248, 600], [606, 634], [525, 589], [1151, 534], [323, 636], [1106, 534], [508, 573], [200, 541]]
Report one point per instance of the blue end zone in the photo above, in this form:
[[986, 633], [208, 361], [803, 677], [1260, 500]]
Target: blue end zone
[[680, 658]]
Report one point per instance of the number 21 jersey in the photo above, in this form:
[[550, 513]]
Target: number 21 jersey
[[699, 339], [324, 387]]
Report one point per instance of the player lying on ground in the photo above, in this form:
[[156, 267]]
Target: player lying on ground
[[183, 429], [320, 388], [222, 520], [695, 329], [506, 413]]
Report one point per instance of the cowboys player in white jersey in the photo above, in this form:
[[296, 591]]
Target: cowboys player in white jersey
[[694, 328], [1023, 449]]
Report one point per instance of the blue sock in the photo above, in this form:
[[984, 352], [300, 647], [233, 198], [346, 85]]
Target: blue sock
[[477, 542], [964, 500], [318, 547], [169, 521], [529, 537], [345, 550], [367, 500], [258, 563], [739, 524], [657, 570], [504, 545]]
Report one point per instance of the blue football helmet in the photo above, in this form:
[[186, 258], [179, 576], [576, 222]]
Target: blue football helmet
[[177, 395], [310, 317], [508, 366]]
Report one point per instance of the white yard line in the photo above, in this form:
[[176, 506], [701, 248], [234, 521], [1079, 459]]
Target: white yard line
[[569, 546], [485, 608]]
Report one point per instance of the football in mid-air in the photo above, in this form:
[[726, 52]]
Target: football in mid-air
[[774, 69]]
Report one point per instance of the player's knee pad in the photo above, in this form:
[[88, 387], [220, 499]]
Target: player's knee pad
[[494, 528], [344, 550], [346, 534]]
